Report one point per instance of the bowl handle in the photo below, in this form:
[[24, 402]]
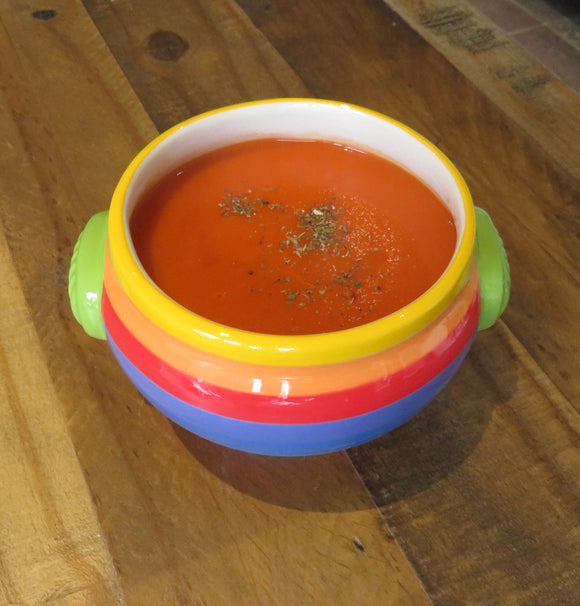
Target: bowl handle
[[493, 269], [85, 278]]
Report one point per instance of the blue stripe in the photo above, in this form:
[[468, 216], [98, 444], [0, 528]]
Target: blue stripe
[[287, 439]]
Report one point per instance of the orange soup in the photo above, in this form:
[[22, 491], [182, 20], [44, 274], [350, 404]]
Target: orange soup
[[292, 236]]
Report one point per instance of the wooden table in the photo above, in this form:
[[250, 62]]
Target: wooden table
[[103, 501]]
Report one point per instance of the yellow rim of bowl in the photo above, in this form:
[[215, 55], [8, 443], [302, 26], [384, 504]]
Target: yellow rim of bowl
[[284, 350]]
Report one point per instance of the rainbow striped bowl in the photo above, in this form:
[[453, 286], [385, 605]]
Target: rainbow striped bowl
[[274, 394]]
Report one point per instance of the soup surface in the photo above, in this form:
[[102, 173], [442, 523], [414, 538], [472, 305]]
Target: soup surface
[[292, 236]]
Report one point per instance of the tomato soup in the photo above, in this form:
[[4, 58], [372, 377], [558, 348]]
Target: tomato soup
[[292, 236]]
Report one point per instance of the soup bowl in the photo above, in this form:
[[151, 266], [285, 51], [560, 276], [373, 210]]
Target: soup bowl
[[287, 395]]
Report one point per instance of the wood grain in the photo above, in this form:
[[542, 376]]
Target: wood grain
[[51, 546], [486, 494], [479, 495], [178, 528], [185, 57], [502, 70]]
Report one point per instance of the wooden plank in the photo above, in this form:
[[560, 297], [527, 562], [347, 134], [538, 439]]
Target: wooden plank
[[51, 545], [531, 95], [184, 58], [179, 529], [482, 490]]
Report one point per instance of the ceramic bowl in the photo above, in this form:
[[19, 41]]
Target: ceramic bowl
[[274, 394]]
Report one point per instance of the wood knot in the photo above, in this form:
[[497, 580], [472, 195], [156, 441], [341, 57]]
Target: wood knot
[[44, 15], [166, 46]]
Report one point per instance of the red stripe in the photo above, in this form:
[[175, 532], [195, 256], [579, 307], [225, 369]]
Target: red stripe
[[292, 409]]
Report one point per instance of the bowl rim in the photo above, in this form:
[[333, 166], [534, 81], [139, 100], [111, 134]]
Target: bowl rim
[[287, 350]]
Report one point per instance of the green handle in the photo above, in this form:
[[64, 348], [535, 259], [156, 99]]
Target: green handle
[[493, 268], [85, 278]]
